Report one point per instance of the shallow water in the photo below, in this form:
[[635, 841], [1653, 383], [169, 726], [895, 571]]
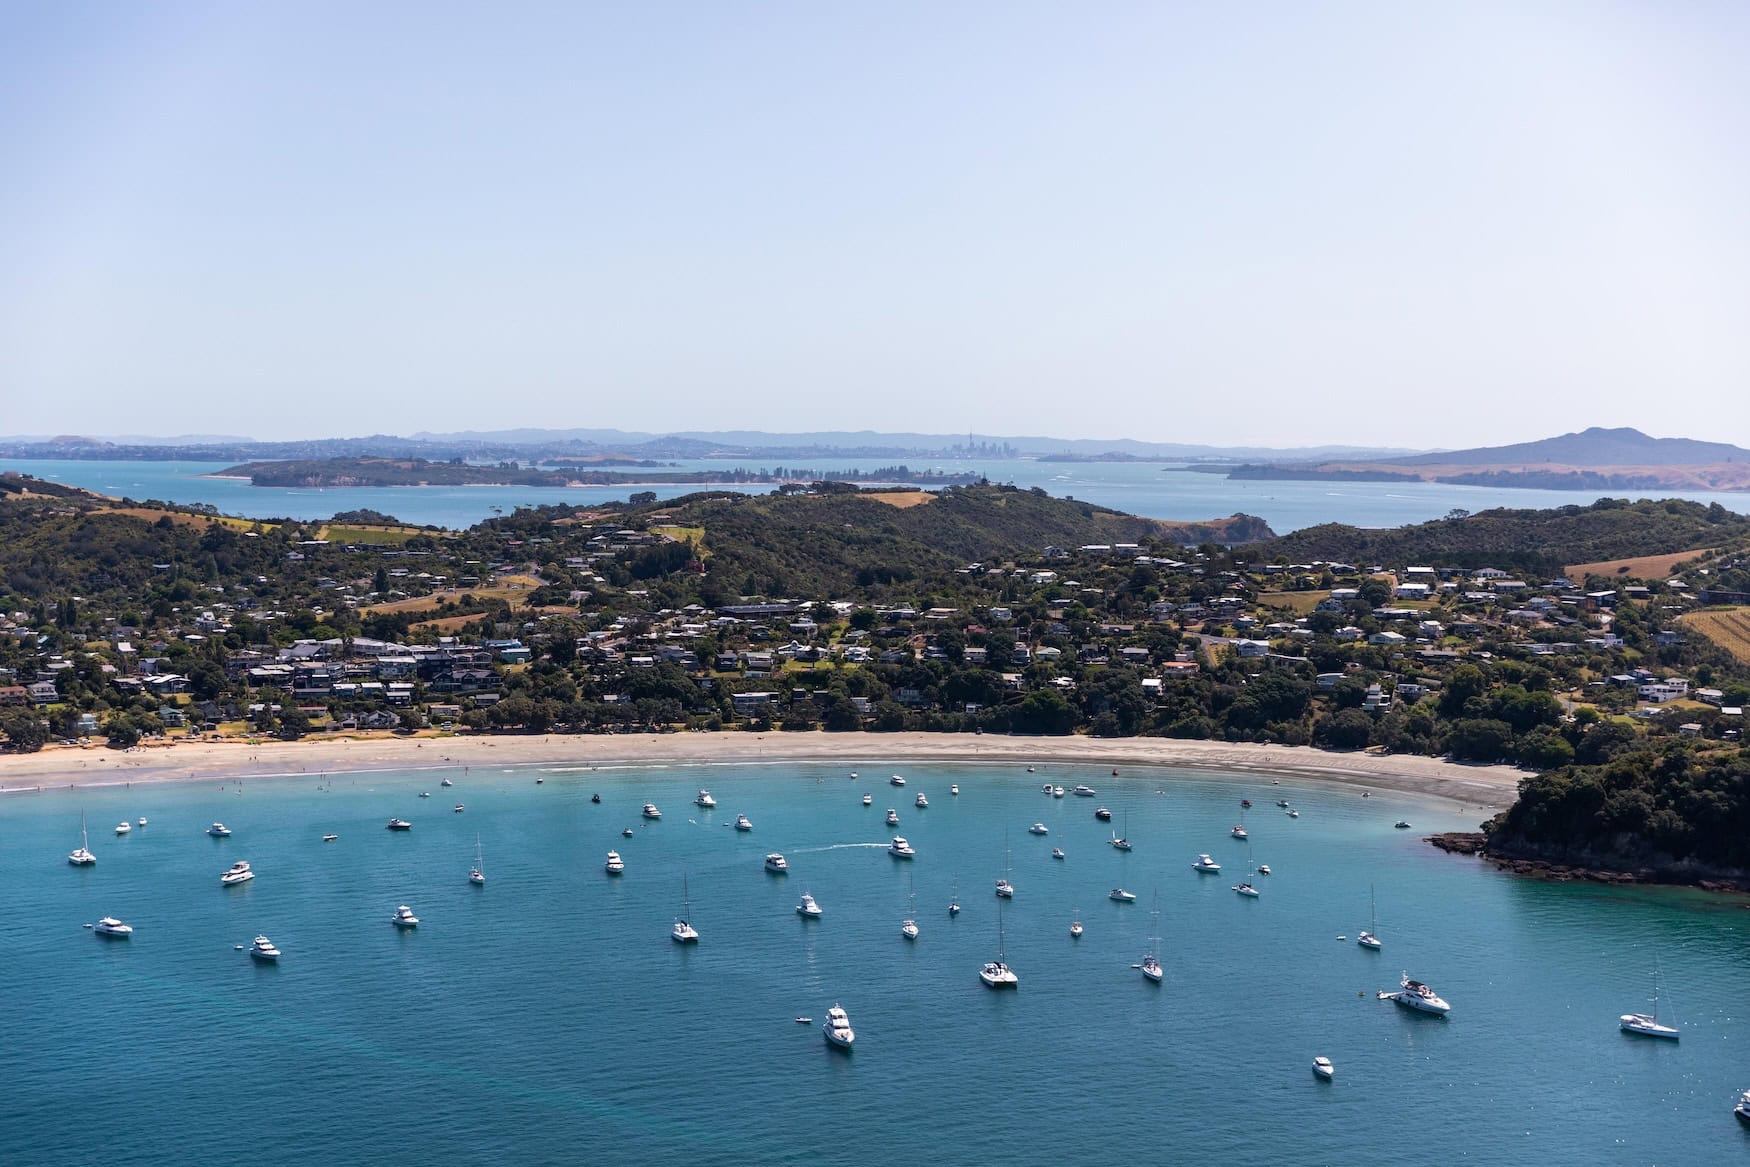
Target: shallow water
[[549, 1017]]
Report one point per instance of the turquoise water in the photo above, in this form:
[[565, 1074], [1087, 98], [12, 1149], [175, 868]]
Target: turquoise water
[[1144, 488], [549, 1018]]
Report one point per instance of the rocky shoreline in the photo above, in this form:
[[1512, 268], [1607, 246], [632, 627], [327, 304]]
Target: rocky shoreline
[[1476, 843]]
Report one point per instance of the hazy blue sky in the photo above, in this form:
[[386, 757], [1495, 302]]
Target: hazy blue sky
[[1409, 223]]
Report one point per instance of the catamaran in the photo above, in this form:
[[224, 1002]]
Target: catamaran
[[996, 974], [684, 932], [83, 856]]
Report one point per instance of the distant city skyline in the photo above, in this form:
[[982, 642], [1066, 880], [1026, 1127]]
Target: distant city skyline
[[1281, 226]]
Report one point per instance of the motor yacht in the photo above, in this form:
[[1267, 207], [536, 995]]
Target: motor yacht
[[615, 865], [239, 873], [705, 800], [954, 789], [459, 808], [404, 917], [1038, 829], [1246, 889], [1075, 929], [82, 857], [1263, 869], [425, 794], [1206, 865], [900, 849], [1239, 831], [1402, 824], [329, 838], [837, 1028], [1005, 889], [123, 827], [400, 825], [142, 820], [627, 833], [1418, 996], [1057, 792], [110, 926], [1046, 789], [892, 817], [896, 780], [218, 830], [742, 823], [808, 909], [1085, 792], [868, 800], [1282, 802], [263, 949], [1322, 1068], [1293, 814], [1057, 852], [650, 811], [921, 802], [1121, 896], [777, 864], [1103, 815], [1742, 1110]]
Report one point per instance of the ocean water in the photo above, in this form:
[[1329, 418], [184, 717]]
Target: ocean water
[[1157, 490], [548, 1017]]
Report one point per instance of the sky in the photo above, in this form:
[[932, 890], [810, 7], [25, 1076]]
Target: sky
[[1264, 224]]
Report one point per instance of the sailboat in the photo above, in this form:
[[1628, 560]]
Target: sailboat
[[1151, 962], [1647, 1024], [477, 877], [1246, 887], [909, 928], [1122, 842], [83, 856], [996, 974], [685, 933], [954, 899], [1369, 938], [1005, 889], [1075, 923]]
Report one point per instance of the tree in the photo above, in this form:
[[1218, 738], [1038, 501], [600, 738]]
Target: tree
[[1480, 739], [122, 733], [25, 732], [1350, 729]]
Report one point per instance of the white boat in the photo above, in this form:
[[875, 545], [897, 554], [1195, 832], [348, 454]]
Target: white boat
[[446, 782], [1084, 792], [123, 827], [892, 817], [110, 926], [142, 821], [741, 823], [1057, 852], [1151, 960], [1102, 814], [1122, 842], [1057, 792], [900, 849], [1239, 831], [393, 825], [1121, 896], [1244, 887], [425, 794], [1742, 1110], [1294, 814], [954, 789], [1046, 789], [1038, 829], [1205, 865], [404, 917], [82, 857], [837, 1028], [1369, 937], [1322, 1068], [896, 780], [650, 811], [705, 800], [263, 949], [777, 864], [1005, 889], [1247, 890], [908, 927], [1263, 869], [459, 808], [218, 830], [1648, 1024], [329, 838], [868, 800], [1075, 929], [1418, 996], [921, 802], [615, 865], [996, 974], [477, 877], [808, 909], [683, 931], [238, 873]]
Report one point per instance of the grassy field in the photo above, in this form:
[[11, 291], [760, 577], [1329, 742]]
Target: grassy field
[[1645, 567], [1300, 603], [694, 535], [184, 519], [901, 498], [1727, 627], [377, 536], [510, 588]]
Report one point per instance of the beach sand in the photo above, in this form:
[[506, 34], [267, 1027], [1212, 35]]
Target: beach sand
[[62, 767]]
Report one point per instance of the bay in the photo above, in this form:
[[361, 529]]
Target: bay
[[1157, 490], [547, 1016]]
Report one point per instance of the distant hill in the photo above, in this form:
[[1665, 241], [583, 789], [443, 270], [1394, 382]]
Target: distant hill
[[1591, 448], [1536, 542]]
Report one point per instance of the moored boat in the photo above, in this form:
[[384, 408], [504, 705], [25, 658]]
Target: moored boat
[[404, 917], [742, 823], [900, 849], [263, 950], [239, 872], [615, 865], [837, 1028], [1323, 1068], [110, 926], [1418, 996], [400, 825], [777, 864]]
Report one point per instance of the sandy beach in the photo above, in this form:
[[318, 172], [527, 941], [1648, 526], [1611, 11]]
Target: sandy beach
[[62, 767]]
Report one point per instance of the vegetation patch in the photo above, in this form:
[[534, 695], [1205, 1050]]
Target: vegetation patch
[[1640, 567], [1727, 627]]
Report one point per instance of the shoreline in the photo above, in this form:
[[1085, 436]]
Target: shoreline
[[56, 768]]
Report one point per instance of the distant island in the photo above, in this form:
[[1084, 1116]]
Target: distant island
[[331, 473]]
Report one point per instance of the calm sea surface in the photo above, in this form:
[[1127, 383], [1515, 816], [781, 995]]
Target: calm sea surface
[[547, 1017], [1155, 489]]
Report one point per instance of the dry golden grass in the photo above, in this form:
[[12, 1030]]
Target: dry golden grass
[[900, 498], [444, 625], [1727, 627], [1300, 603], [1644, 567], [510, 588]]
